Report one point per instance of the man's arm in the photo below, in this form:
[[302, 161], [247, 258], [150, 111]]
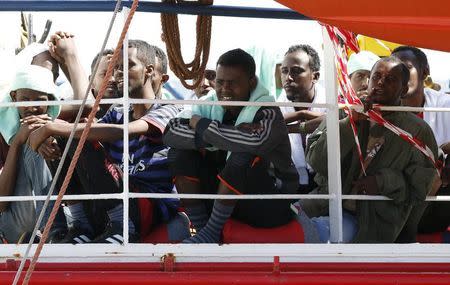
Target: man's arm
[[259, 137], [316, 155], [302, 115], [63, 49], [306, 127], [98, 132], [179, 135], [8, 173]]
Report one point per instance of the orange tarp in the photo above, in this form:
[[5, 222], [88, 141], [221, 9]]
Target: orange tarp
[[424, 23]]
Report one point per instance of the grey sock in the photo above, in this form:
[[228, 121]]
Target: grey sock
[[198, 216], [211, 233]]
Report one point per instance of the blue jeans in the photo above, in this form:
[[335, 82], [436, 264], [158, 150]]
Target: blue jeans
[[349, 227]]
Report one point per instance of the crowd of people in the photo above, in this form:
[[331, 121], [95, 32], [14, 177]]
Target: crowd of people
[[228, 150]]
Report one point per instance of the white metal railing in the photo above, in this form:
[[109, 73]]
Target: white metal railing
[[219, 103]]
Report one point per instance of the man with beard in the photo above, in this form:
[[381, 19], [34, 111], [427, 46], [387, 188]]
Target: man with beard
[[394, 168], [148, 166], [299, 76]]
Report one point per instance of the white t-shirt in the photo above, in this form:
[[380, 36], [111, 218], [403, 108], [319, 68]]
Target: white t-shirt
[[298, 153], [438, 121]]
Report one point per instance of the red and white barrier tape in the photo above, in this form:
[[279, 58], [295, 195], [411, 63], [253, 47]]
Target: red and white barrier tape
[[348, 40]]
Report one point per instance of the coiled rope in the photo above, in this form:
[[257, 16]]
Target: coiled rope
[[195, 69], [78, 150]]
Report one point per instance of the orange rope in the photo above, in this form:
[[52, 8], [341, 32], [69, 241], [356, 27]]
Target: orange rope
[[81, 143], [196, 68]]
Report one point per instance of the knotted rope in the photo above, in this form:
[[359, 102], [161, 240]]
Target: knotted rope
[[195, 69]]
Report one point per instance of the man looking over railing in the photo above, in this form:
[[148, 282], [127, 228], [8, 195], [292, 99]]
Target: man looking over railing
[[394, 168]]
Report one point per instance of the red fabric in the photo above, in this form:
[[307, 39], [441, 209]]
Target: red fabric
[[146, 215], [237, 232], [417, 23], [430, 238], [158, 235]]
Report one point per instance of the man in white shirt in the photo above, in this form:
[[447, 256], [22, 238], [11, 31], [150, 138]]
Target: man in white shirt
[[299, 77], [437, 215]]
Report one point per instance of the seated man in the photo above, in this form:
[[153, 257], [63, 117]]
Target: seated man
[[148, 167], [234, 150], [394, 168], [437, 214], [22, 171], [16, 125], [299, 75]]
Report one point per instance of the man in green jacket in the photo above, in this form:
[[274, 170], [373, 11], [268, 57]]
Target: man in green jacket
[[394, 168]]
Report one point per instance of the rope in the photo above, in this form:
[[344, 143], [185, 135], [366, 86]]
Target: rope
[[196, 68], [80, 144]]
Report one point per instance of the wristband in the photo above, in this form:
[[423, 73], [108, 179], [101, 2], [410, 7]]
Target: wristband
[[302, 127]]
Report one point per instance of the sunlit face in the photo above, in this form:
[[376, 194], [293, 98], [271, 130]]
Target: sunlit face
[[208, 83], [138, 74], [111, 90], [23, 95], [233, 84], [297, 77], [416, 75], [386, 84], [360, 82]]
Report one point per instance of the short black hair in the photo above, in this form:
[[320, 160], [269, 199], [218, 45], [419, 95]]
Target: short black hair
[[161, 55], [420, 56], [403, 68], [145, 52], [238, 58], [100, 54], [314, 60]]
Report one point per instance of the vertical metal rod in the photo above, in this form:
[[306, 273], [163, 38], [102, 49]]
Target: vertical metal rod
[[30, 29], [333, 143], [126, 112]]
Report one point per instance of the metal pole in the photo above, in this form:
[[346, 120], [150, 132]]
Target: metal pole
[[126, 155], [333, 143]]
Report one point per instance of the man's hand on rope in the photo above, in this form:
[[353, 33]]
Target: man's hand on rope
[[367, 105]]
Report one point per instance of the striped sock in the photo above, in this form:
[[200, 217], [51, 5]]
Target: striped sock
[[76, 217], [198, 216], [211, 233], [116, 216]]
